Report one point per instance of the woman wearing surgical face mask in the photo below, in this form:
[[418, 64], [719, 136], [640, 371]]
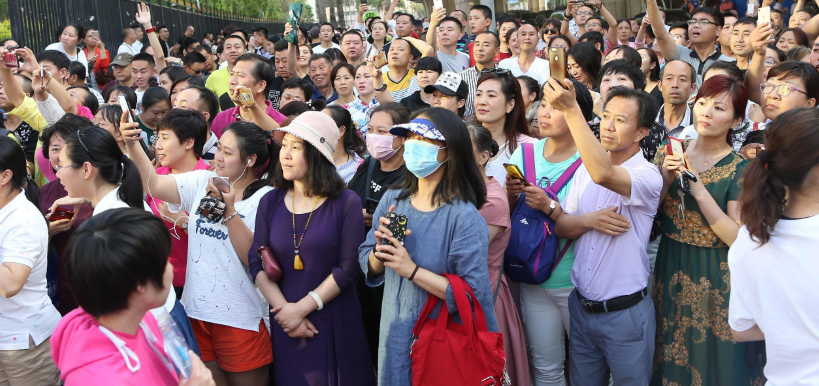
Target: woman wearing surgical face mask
[[382, 169], [440, 199]]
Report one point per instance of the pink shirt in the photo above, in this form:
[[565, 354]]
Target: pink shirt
[[179, 248], [227, 117], [496, 212], [606, 267]]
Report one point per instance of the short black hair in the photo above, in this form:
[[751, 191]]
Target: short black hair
[[262, 30], [113, 253], [90, 101], [208, 101], [719, 20], [646, 109], [629, 54], [494, 34], [627, 68], [682, 25], [745, 20], [429, 63], [188, 42], [144, 57], [186, 124], [129, 93], [315, 57], [77, 68], [595, 38], [262, 70], [193, 57], [798, 70], [201, 49], [509, 20], [154, 95], [327, 24], [692, 76], [281, 45], [56, 57], [730, 67], [603, 23], [487, 12], [412, 18], [352, 32], [296, 82], [244, 33], [454, 20], [65, 126]]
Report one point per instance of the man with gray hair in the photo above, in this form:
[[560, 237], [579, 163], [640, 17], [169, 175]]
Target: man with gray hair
[[128, 39]]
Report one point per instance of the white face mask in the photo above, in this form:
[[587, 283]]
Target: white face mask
[[380, 146]]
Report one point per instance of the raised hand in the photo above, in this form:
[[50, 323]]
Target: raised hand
[[143, 15]]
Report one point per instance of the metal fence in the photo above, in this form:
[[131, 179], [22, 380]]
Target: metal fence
[[36, 23]]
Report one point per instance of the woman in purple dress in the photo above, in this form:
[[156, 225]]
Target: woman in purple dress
[[316, 328]]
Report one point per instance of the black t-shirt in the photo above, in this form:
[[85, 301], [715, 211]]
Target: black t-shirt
[[380, 182], [414, 102], [275, 93]]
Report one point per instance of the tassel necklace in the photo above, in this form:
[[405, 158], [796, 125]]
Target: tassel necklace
[[297, 264]]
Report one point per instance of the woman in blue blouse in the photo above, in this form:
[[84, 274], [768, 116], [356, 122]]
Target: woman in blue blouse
[[445, 234]]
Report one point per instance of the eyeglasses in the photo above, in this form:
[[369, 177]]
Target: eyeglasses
[[592, 25], [550, 31], [677, 36], [499, 71], [199, 73], [79, 136], [770, 64], [57, 168], [783, 89], [583, 13], [702, 22]]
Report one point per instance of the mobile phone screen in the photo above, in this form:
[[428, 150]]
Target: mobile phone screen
[[221, 183], [123, 103], [764, 16]]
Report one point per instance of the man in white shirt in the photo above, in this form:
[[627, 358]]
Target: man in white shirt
[[326, 35], [260, 38], [526, 63], [447, 32], [139, 33], [128, 39]]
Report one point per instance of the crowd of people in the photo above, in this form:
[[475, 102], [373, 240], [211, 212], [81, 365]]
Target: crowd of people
[[639, 214]]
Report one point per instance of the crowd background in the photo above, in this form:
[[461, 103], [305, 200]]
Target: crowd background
[[663, 268]]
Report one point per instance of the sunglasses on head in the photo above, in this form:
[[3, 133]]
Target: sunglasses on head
[[499, 71]]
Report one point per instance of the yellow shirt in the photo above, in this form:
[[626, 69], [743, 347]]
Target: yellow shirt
[[402, 88], [30, 114], [219, 83]]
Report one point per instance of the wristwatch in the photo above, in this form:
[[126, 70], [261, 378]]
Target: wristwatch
[[382, 88], [149, 30], [552, 207]]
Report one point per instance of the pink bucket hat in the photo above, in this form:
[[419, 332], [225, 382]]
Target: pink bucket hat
[[315, 128]]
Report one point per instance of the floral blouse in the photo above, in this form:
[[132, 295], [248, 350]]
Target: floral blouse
[[360, 111]]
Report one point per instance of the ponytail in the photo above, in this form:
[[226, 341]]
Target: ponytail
[[130, 189], [31, 190], [779, 170]]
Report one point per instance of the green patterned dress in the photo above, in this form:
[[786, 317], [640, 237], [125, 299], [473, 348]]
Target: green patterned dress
[[691, 288]]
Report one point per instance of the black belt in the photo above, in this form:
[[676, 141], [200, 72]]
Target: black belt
[[617, 304]]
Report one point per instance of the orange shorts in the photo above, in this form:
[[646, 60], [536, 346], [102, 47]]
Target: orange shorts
[[235, 350]]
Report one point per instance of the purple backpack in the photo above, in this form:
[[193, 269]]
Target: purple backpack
[[532, 254]]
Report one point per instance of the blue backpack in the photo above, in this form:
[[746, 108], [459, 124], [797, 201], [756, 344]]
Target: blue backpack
[[532, 254]]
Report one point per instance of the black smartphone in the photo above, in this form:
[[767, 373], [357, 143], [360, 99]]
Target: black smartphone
[[363, 1], [371, 205], [398, 227]]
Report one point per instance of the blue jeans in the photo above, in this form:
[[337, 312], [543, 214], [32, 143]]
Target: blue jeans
[[620, 344]]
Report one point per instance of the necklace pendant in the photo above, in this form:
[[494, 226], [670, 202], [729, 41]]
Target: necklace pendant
[[297, 264]]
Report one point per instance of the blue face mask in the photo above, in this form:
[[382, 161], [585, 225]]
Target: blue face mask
[[421, 157]]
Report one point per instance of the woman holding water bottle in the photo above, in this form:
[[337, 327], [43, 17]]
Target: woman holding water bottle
[[118, 269]]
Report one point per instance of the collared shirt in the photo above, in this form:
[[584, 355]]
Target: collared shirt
[[24, 240], [470, 76], [127, 49], [691, 57], [317, 95], [263, 52], [605, 266], [676, 132], [538, 70], [231, 115]]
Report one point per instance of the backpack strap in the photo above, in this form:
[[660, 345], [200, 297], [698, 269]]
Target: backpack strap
[[529, 163], [370, 170], [562, 253], [565, 177]]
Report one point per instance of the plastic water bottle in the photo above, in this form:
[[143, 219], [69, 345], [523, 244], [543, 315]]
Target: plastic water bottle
[[175, 344]]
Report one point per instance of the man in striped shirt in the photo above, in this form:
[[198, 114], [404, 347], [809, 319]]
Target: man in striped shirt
[[400, 80]]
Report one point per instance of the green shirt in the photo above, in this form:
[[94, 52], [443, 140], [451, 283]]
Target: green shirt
[[562, 275]]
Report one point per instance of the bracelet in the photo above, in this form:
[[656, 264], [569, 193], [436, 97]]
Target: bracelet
[[224, 222], [149, 30], [414, 272], [317, 299]]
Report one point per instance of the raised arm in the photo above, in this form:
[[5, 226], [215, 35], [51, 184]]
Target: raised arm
[[667, 45], [604, 12], [564, 26], [292, 55], [420, 45], [756, 68], [811, 28], [378, 81], [143, 17], [391, 10], [162, 187], [435, 18], [595, 157], [800, 5], [14, 92]]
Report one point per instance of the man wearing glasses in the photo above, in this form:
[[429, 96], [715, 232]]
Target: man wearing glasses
[[194, 63], [703, 29]]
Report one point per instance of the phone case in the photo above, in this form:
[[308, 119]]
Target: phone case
[[557, 63], [10, 60], [380, 59], [764, 16], [515, 172], [61, 214], [371, 205], [245, 98], [398, 227], [220, 183], [676, 147], [123, 103]]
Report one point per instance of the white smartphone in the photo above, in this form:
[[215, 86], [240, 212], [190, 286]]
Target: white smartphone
[[123, 103], [750, 11], [437, 4], [764, 16], [221, 183]]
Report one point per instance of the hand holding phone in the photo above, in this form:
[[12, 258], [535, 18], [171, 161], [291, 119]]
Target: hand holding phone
[[436, 4], [676, 148], [514, 172], [221, 183], [123, 103], [371, 205], [764, 16], [61, 214], [557, 63]]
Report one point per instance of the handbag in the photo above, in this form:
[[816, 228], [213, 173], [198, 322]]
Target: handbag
[[445, 352], [269, 264]]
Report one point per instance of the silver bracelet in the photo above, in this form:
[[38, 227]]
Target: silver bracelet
[[226, 219], [317, 299]]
